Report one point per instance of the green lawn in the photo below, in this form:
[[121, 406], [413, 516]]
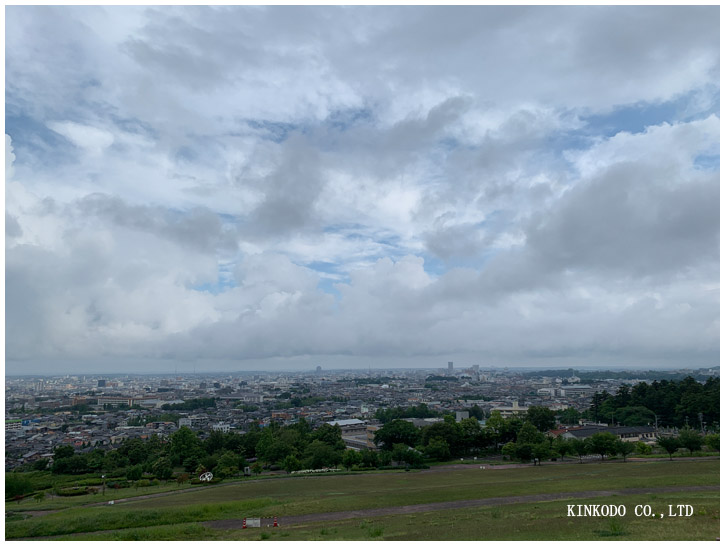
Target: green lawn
[[532, 521], [176, 515], [52, 502]]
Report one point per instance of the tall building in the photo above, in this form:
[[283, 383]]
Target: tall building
[[450, 367]]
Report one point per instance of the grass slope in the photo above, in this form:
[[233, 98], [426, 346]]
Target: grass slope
[[175, 516]]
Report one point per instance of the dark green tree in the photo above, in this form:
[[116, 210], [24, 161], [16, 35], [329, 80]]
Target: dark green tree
[[603, 443], [134, 473], [529, 435], [351, 458], [561, 446], [541, 451], [438, 449], [579, 446], [542, 418], [291, 464], [624, 448], [397, 432], [669, 443], [690, 439]]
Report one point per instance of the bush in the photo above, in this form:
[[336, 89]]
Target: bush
[[71, 492], [16, 484]]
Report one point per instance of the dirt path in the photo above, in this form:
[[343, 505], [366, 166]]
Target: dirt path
[[430, 507], [435, 506], [441, 468]]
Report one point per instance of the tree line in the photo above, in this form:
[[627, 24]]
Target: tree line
[[668, 403]]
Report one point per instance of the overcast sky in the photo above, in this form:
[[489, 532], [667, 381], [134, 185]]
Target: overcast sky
[[280, 187]]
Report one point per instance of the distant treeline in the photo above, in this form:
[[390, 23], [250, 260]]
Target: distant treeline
[[613, 374], [673, 403], [189, 405], [421, 411]]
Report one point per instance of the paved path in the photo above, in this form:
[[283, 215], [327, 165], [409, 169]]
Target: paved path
[[435, 506]]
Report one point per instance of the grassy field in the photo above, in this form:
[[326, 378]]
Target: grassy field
[[52, 502], [177, 516]]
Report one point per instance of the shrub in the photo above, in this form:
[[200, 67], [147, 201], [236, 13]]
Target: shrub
[[71, 492]]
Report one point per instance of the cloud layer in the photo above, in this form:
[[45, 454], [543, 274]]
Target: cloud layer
[[279, 186]]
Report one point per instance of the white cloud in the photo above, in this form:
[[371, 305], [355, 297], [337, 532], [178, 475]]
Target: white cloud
[[435, 164]]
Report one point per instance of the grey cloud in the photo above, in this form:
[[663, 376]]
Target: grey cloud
[[630, 221], [461, 240], [290, 192], [462, 127], [12, 227], [200, 228]]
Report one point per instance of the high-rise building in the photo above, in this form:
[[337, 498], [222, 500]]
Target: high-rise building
[[450, 367]]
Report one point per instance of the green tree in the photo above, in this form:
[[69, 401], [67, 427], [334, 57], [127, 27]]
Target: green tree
[[561, 446], [331, 435], [162, 468], [40, 464], [669, 443], [634, 416], [690, 439], [448, 430], [509, 450], [579, 446], [712, 441], [624, 448], [397, 432], [185, 444], [496, 425], [642, 449], [402, 453], [291, 464], [320, 455], [63, 452], [542, 418], [476, 412], [524, 451], [17, 485], [529, 435], [603, 443], [134, 473], [385, 458], [369, 458], [115, 460], [569, 416], [275, 450], [438, 449], [215, 442], [351, 458], [541, 451], [227, 465]]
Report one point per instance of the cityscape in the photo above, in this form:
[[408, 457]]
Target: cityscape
[[42, 412], [362, 272]]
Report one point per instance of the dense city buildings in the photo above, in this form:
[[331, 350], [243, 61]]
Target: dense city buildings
[[90, 412]]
